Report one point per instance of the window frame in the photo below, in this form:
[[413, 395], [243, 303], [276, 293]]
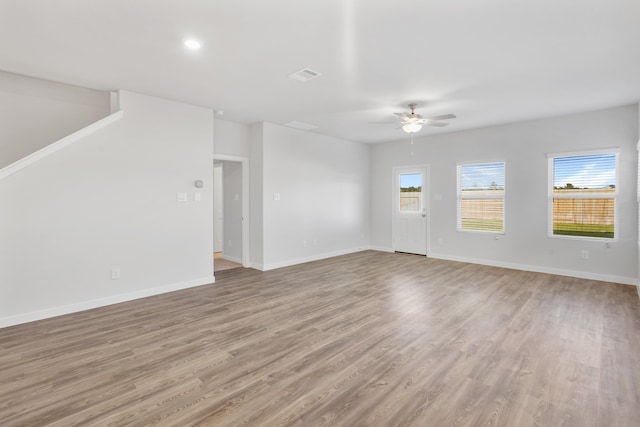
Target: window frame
[[551, 195], [459, 197]]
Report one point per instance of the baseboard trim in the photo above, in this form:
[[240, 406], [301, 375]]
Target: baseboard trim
[[256, 266], [295, 261], [101, 302], [381, 248], [538, 269], [232, 259]]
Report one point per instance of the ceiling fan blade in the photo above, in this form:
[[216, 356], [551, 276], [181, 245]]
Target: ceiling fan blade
[[401, 115], [443, 117], [438, 124]]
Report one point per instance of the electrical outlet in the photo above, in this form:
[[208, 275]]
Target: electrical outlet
[[584, 254], [115, 273]]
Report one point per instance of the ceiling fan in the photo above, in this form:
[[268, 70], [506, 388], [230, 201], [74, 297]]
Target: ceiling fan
[[412, 122]]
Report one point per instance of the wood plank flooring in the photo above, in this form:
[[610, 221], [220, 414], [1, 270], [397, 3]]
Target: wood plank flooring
[[221, 264], [367, 339]]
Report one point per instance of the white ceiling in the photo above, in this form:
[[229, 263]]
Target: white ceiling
[[488, 62]]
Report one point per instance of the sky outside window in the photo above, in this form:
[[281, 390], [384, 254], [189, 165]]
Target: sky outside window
[[410, 180], [482, 176], [591, 171]]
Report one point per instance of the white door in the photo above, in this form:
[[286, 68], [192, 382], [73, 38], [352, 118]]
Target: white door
[[410, 210]]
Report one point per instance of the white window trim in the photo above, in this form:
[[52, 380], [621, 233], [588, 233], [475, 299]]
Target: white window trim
[[459, 197], [551, 195]]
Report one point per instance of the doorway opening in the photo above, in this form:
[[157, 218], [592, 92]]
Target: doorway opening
[[230, 212]]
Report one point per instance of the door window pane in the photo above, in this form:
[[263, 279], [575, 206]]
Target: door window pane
[[411, 192]]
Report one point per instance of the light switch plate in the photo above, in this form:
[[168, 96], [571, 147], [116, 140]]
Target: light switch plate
[[182, 197]]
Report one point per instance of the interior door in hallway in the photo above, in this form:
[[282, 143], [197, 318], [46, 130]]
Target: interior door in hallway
[[410, 211]]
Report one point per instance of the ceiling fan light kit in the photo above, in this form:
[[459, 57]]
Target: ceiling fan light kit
[[411, 127], [412, 122]]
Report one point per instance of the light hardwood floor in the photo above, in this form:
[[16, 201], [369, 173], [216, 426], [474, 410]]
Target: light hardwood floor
[[221, 264], [367, 339]]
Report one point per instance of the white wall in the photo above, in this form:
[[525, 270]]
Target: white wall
[[35, 113], [524, 147], [106, 201], [232, 139], [256, 146], [232, 179], [323, 185]]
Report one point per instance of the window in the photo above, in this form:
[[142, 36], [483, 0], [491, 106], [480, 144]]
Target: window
[[582, 194], [411, 192], [481, 197]]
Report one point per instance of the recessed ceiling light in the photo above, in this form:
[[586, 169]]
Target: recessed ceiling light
[[192, 44]]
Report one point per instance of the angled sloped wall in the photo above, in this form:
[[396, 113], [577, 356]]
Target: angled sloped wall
[[110, 201], [36, 112]]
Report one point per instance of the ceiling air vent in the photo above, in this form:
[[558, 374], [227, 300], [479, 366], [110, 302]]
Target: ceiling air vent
[[305, 75]]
